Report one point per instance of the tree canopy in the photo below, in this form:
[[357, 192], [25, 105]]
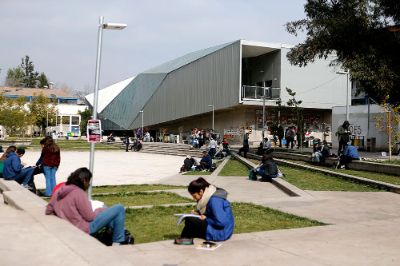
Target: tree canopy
[[364, 35], [25, 75]]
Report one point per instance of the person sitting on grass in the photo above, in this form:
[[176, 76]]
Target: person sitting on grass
[[15, 170], [188, 164], [70, 202], [267, 168], [216, 222], [205, 162]]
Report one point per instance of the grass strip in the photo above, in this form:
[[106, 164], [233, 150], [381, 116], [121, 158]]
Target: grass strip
[[198, 173], [391, 179], [309, 180], [234, 168], [142, 198], [74, 145], [158, 223], [312, 180], [133, 188]]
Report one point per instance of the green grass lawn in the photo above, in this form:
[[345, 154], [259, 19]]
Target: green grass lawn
[[133, 188], [74, 145], [391, 179], [197, 173], [159, 223], [142, 198], [234, 168], [309, 180]]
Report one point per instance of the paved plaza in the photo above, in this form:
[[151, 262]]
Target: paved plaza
[[362, 226]]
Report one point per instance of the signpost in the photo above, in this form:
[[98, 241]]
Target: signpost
[[94, 130]]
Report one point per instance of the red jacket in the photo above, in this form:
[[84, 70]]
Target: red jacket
[[50, 158]]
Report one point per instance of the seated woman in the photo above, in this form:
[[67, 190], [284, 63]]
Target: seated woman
[[267, 169], [216, 221], [188, 164], [349, 153], [70, 202], [320, 152]]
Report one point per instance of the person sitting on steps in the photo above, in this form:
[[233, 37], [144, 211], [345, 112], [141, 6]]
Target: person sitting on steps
[[15, 170], [70, 202]]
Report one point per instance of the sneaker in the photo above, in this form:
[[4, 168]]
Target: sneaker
[[183, 241], [26, 186]]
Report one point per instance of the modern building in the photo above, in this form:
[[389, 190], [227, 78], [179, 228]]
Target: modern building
[[227, 82]]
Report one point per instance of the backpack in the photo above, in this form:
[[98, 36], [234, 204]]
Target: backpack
[[252, 175]]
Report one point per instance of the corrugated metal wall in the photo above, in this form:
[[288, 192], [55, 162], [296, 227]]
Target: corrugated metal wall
[[213, 79]]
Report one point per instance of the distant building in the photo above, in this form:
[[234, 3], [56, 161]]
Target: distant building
[[231, 78], [67, 106]]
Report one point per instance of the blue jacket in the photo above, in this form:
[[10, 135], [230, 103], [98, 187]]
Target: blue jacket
[[219, 218], [351, 151], [12, 166], [207, 159]]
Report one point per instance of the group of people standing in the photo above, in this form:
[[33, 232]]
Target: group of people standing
[[47, 164], [199, 137]]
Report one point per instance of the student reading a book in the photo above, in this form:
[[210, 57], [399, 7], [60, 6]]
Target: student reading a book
[[70, 202], [216, 221]]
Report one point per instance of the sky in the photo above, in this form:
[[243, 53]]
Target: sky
[[60, 37]]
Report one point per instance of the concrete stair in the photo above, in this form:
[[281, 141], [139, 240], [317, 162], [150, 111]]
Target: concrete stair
[[176, 149]]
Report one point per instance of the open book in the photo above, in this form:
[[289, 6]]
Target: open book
[[182, 216], [208, 245]]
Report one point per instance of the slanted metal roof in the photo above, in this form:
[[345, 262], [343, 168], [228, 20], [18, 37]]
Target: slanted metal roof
[[107, 94], [125, 108]]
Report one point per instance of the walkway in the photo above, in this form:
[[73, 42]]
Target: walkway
[[363, 226]]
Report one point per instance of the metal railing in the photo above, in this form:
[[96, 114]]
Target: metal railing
[[257, 92]]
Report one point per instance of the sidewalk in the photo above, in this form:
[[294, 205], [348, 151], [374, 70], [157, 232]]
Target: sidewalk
[[363, 226]]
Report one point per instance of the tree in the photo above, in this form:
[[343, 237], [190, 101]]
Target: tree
[[14, 116], [15, 77], [292, 102], [388, 122], [85, 116], [41, 111], [364, 35], [42, 81], [30, 76]]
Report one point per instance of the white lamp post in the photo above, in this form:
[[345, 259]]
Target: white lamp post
[[141, 111], [347, 73], [213, 110], [101, 26]]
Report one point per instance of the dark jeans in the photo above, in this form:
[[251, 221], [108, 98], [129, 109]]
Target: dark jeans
[[280, 141], [24, 177], [344, 160], [212, 152], [342, 145], [244, 149], [194, 228], [289, 141]]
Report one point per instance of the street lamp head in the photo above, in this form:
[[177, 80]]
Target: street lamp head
[[210, 105], [342, 72], [141, 111], [114, 26]]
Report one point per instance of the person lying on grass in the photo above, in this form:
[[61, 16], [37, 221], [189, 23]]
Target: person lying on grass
[[70, 202], [216, 220]]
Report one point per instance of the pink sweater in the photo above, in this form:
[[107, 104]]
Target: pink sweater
[[71, 203]]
